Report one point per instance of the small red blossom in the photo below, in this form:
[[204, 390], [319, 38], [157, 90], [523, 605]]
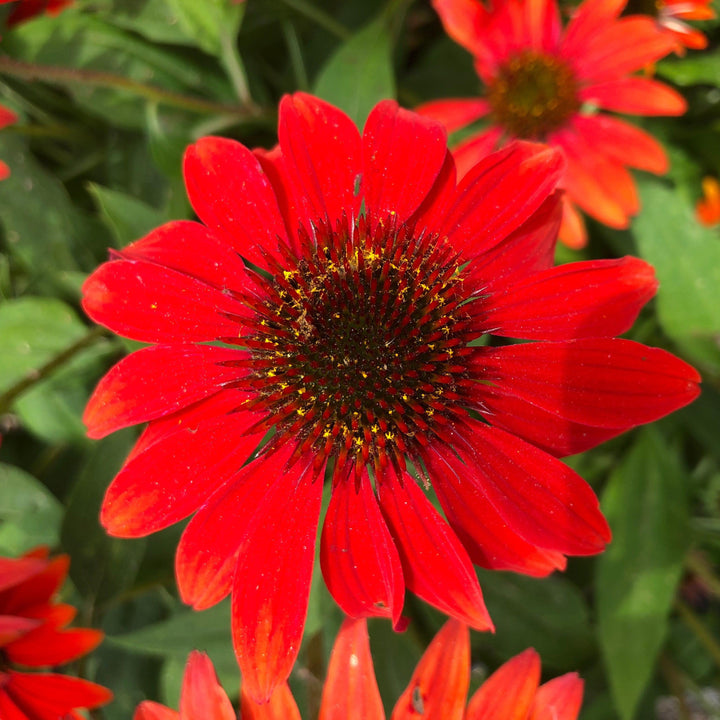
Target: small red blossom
[[348, 343], [7, 117], [545, 82], [27, 9], [670, 14], [708, 207], [34, 634], [437, 689]]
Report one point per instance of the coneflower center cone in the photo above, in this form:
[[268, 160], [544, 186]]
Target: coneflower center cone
[[357, 344], [533, 94]]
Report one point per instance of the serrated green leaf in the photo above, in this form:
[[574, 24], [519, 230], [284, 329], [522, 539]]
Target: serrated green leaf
[[127, 217], [33, 331], [360, 72], [637, 576], [555, 621], [686, 257], [101, 566], [30, 514]]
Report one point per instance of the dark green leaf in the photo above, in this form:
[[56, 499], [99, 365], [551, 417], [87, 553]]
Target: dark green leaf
[[549, 615], [696, 68], [29, 514], [101, 566], [360, 73], [210, 23], [637, 576], [127, 217]]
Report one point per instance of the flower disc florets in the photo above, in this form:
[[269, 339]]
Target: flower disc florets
[[533, 94], [355, 352]]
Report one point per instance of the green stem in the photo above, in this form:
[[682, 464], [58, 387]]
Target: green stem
[[234, 65], [38, 374], [320, 17], [701, 632], [73, 76], [296, 59]]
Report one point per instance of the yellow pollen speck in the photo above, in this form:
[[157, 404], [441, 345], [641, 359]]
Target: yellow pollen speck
[[390, 436], [154, 306], [301, 412]]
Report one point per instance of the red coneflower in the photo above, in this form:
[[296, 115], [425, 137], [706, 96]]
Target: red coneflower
[[707, 208], [545, 83], [670, 14], [437, 689], [352, 342], [34, 634]]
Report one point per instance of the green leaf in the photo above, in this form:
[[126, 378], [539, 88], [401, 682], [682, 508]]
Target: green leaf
[[48, 235], [637, 576], [127, 217], [102, 566], [188, 630], [686, 257], [208, 21], [33, 331], [153, 19], [30, 514], [695, 69], [555, 622], [360, 72]]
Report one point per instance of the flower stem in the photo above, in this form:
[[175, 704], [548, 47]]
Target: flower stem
[[319, 17], [701, 632], [73, 76], [55, 363], [234, 65]]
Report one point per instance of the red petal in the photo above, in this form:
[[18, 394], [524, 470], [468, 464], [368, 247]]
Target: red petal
[[11, 627], [539, 498], [572, 233], [500, 194], [508, 693], [151, 303], [435, 564], [272, 583], [454, 114], [8, 709], [37, 589], [281, 706], [636, 96], [4, 171], [547, 430], [173, 477], [230, 193], [490, 543], [622, 142], [528, 250], [149, 710], [207, 552], [625, 46], [14, 571], [558, 699], [47, 646], [51, 695], [589, 16], [439, 685], [358, 557], [351, 690], [7, 116], [475, 148], [322, 152], [157, 381], [202, 695], [463, 21], [597, 298], [606, 382], [402, 157], [542, 21]]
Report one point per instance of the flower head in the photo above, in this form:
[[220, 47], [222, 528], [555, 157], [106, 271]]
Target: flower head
[[7, 117], [670, 16], [708, 207], [543, 82], [349, 343], [437, 689], [34, 634]]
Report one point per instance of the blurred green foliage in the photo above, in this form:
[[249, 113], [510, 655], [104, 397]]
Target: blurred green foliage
[[109, 93]]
